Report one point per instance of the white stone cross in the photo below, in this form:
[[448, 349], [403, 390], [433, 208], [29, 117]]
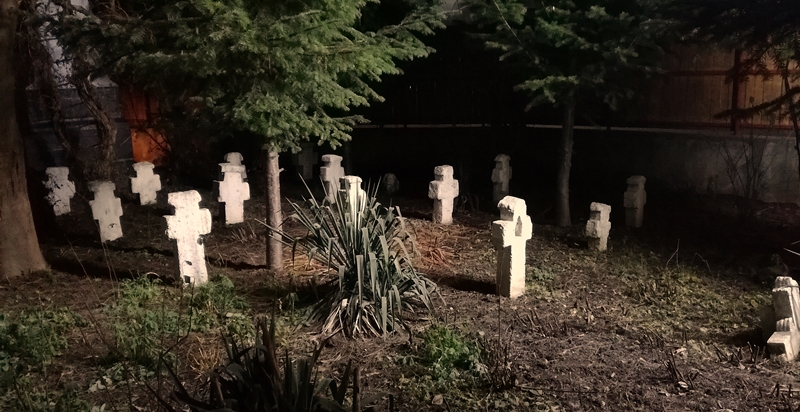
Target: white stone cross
[[355, 195], [235, 159], [331, 172], [233, 191], [785, 341], [501, 175], [635, 199], [146, 183], [509, 235], [598, 226], [187, 227], [305, 160], [390, 183], [106, 210], [61, 189], [443, 190]]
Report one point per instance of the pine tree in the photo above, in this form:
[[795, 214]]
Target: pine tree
[[282, 71], [572, 50]]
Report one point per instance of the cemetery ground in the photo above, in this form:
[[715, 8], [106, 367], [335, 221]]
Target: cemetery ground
[[665, 320]]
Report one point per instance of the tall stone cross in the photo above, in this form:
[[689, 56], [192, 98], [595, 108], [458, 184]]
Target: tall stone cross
[[234, 159], [61, 189], [501, 175], [635, 199], [598, 226], [355, 195], [509, 235], [106, 210], [233, 191], [443, 190], [331, 172], [187, 227], [785, 341], [146, 183], [305, 160]]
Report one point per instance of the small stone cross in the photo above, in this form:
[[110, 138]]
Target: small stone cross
[[634, 201], [146, 183], [785, 341], [106, 210], [598, 226], [305, 160], [233, 191], [61, 189], [331, 172], [501, 175], [509, 235], [187, 227], [443, 190], [390, 184]]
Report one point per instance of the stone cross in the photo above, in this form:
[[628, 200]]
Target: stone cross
[[146, 184], [635, 199], [61, 189], [187, 227], [785, 342], [390, 184], [356, 196], [509, 235], [305, 160], [500, 177], [106, 210], [443, 190], [235, 159], [598, 226], [233, 191], [331, 172]]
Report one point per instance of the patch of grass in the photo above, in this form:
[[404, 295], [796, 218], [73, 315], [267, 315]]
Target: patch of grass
[[540, 282], [449, 353], [34, 336]]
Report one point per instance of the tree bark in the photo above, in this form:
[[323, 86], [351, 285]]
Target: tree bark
[[562, 183], [274, 215], [19, 246]]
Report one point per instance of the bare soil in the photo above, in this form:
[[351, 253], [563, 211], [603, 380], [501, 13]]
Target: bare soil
[[665, 320]]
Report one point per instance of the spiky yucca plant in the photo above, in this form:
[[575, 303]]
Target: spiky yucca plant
[[365, 242]]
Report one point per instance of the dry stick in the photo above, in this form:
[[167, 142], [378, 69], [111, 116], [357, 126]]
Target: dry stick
[[357, 389], [675, 255]]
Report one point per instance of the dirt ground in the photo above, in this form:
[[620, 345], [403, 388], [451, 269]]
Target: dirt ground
[[665, 320]]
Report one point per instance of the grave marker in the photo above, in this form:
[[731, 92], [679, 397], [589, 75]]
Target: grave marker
[[331, 172], [106, 210], [501, 175], [634, 201], [61, 189], [233, 191], [305, 160], [187, 226], [443, 190], [509, 235], [598, 226], [146, 183]]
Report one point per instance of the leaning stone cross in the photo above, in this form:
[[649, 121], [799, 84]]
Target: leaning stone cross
[[785, 342], [146, 183], [501, 175], [635, 199], [331, 172], [61, 189], [443, 190], [509, 235], [187, 227], [598, 226], [305, 160], [233, 191], [106, 210]]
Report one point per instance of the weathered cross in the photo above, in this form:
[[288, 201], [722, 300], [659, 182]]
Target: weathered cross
[[106, 210], [443, 190], [61, 189], [187, 227], [501, 175], [146, 183], [331, 172], [509, 235]]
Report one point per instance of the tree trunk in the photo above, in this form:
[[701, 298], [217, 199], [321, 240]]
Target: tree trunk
[[274, 215], [792, 114], [103, 169], [19, 246], [562, 191]]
